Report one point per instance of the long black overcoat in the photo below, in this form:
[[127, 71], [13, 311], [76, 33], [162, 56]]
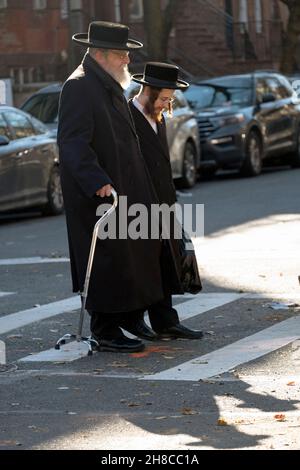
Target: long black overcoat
[[98, 146], [155, 151]]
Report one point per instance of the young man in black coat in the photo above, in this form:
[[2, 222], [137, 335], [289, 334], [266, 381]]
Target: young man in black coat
[[159, 82], [99, 151]]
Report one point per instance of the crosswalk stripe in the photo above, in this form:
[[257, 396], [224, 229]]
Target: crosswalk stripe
[[198, 305], [33, 260], [25, 317], [228, 357], [186, 309], [67, 353], [3, 294], [2, 353], [202, 303]]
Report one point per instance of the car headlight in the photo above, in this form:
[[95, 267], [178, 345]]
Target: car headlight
[[228, 120]]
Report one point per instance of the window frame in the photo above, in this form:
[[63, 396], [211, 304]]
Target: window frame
[[140, 15], [39, 5]]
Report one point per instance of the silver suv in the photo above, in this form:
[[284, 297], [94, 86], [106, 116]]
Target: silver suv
[[182, 129]]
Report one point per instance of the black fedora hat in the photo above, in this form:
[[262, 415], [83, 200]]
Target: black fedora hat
[[161, 75], [107, 36]]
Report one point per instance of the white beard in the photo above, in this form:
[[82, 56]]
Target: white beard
[[123, 77]]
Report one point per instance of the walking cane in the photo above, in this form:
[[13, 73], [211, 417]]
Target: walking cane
[[88, 340]]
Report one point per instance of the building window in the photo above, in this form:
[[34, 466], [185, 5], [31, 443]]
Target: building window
[[64, 9], [3, 4], [136, 11], [75, 5], [243, 16], [39, 4], [258, 16]]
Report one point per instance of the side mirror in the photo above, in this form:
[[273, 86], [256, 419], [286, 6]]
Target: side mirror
[[4, 140], [268, 98]]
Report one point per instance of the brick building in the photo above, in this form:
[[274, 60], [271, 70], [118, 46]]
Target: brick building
[[209, 37]]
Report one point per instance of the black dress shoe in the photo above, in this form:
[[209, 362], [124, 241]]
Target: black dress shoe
[[120, 344], [141, 329], [179, 331]]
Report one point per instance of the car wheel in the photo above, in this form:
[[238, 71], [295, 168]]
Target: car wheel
[[55, 204], [252, 165], [295, 161], [189, 170]]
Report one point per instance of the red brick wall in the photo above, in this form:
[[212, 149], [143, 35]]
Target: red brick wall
[[32, 38]]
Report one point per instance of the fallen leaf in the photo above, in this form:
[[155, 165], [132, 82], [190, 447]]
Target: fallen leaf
[[290, 384], [280, 417], [222, 422], [134, 404], [188, 411]]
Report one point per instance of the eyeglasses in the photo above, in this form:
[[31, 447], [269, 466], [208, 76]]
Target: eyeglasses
[[120, 54], [166, 100]]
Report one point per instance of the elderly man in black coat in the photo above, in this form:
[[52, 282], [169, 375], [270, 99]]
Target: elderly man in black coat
[[99, 151], [159, 82]]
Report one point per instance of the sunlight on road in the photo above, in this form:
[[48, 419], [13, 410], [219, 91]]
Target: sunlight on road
[[259, 256]]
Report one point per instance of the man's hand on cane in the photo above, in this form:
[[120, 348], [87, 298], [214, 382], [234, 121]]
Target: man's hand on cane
[[105, 191]]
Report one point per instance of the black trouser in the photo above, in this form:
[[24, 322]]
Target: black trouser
[[163, 315], [107, 325]]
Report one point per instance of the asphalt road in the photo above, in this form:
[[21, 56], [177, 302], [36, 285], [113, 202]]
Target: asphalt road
[[238, 388]]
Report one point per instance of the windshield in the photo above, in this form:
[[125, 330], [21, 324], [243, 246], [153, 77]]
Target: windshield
[[212, 96], [43, 106]]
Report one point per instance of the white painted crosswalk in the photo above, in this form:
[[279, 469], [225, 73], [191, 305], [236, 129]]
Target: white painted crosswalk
[[235, 354], [202, 367], [25, 317], [3, 294], [32, 260], [199, 304]]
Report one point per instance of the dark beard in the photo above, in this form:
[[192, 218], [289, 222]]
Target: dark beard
[[150, 110]]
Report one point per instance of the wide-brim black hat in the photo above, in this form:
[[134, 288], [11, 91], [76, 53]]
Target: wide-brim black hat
[[106, 35], [161, 75]]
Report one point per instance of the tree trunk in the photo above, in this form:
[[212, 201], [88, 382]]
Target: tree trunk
[[290, 47], [158, 25]]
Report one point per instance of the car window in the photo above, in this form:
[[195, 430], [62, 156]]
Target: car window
[[212, 95], [262, 88], [21, 125], [43, 106], [4, 130], [277, 88], [39, 127], [285, 84]]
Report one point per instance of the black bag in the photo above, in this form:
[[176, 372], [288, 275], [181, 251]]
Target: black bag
[[190, 277]]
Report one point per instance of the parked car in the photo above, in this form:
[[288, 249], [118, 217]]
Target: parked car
[[182, 129], [29, 162], [245, 120]]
